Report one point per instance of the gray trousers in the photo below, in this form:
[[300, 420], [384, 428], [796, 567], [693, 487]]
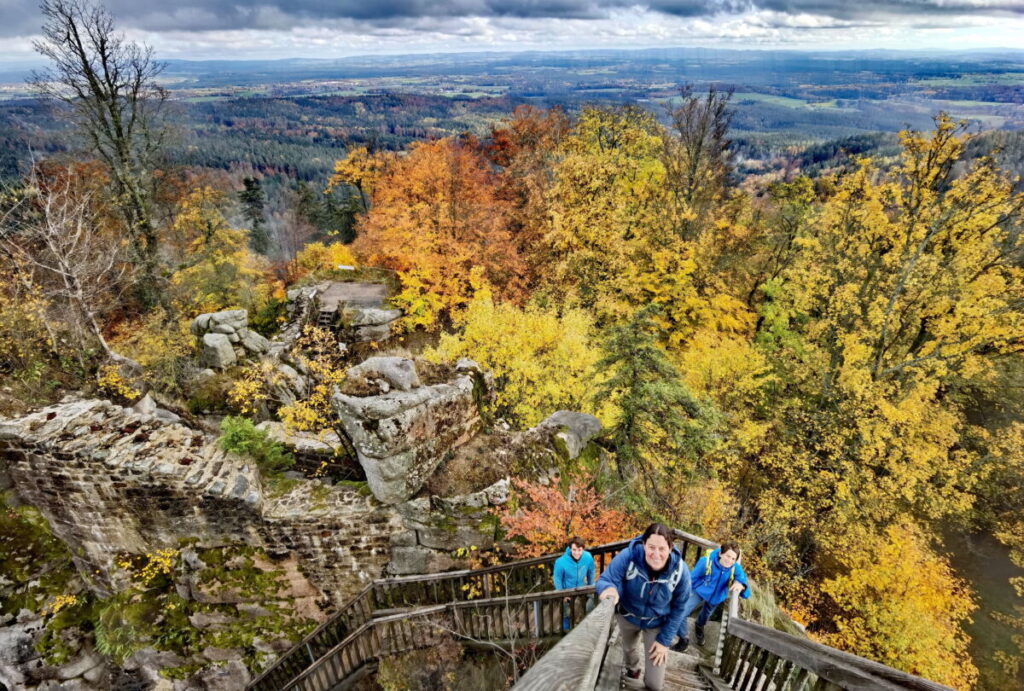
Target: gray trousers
[[654, 677]]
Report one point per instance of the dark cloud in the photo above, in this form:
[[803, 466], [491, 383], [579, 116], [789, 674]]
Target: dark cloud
[[21, 17]]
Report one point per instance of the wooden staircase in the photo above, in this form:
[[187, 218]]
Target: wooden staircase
[[513, 604]]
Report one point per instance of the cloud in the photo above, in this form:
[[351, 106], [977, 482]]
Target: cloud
[[322, 28], [21, 16]]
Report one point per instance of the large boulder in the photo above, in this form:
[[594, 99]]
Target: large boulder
[[217, 351], [370, 316], [387, 373], [400, 437], [253, 342], [575, 430]]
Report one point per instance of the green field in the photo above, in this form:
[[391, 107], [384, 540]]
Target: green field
[[999, 78], [783, 101]]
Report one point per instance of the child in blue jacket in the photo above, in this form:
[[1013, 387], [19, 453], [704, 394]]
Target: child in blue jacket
[[650, 583], [573, 569], [714, 576]]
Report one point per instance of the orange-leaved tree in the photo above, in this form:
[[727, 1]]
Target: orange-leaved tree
[[436, 218], [527, 148], [546, 518]]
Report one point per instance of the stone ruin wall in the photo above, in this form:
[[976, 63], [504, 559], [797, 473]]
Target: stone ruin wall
[[110, 480]]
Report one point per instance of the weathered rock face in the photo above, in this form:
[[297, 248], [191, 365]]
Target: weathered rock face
[[400, 437], [386, 373], [22, 666], [437, 526], [112, 481], [367, 324], [226, 337]]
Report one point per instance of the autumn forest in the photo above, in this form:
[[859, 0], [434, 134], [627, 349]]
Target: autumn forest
[[824, 365]]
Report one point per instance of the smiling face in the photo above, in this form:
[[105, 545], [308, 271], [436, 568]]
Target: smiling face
[[576, 551], [727, 559], [656, 551]]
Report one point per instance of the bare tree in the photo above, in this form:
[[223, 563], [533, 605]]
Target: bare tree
[[110, 87], [55, 234], [697, 158]]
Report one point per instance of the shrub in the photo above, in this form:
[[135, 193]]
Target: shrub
[[239, 435]]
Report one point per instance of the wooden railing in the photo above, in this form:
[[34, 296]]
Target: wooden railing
[[575, 662], [384, 596], [760, 657], [507, 620]]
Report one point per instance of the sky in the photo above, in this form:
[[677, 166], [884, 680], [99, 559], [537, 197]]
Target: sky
[[243, 29]]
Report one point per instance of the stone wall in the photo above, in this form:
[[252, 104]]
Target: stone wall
[[110, 480]]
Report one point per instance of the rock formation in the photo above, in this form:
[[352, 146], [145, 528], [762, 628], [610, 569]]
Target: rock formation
[[403, 433], [226, 337]]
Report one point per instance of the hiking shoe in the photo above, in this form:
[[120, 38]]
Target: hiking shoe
[[681, 645], [700, 638]]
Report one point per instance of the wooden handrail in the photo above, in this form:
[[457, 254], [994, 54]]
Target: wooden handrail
[[755, 652], [425, 626], [389, 593], [575, 662]]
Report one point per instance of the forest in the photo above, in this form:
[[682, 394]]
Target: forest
[[823, 363]]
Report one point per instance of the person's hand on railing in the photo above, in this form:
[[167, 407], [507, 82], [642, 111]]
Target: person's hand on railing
[[610, 594], [738, 588], [659, 654]]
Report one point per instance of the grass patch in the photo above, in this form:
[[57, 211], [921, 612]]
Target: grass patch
[[239, 435]]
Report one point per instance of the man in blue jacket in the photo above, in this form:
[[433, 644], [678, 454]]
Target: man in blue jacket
[[650, 583], [574, 569], [714, 576]]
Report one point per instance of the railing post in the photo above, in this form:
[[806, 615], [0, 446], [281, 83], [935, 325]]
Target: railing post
[[536, 619], [723, 630]]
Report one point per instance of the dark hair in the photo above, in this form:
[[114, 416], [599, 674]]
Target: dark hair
[[658, 529], [729, 546], [578, 541]]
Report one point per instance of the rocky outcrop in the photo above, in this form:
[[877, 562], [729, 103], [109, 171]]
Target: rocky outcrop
[[226, 337], [572, 431], [386, 373], [24, 667], [365, 324], [437, 526], [113, 481], [402, 435]]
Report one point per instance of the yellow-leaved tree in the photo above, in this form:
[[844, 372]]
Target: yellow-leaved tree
[[615, 238], [542, 358], [362, 170], [904, 290], [218, 271], [895, 601], [316, 257]]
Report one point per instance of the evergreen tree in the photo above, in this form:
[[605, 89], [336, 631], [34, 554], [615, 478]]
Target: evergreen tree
[[661, 426], [253, 202]]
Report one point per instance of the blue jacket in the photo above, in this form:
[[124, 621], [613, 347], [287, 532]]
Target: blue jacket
[[643, 602], [713, 587], [570, 573]]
